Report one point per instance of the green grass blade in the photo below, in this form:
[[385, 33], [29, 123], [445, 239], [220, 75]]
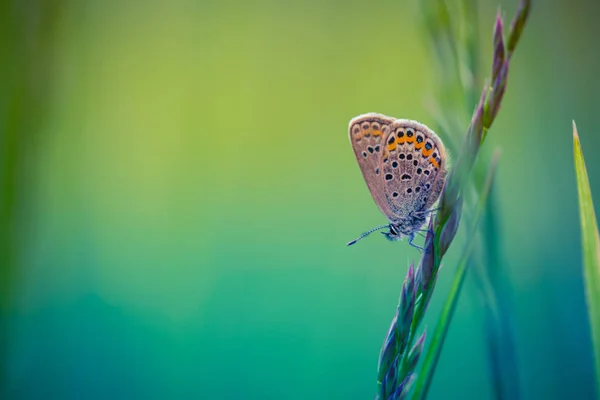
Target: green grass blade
[[591, 249], [441, 330]]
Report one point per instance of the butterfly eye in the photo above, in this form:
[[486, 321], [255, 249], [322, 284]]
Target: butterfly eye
[[395, 194], [409, 133], [419, 139], [409, 190], [395, 164], [400, 134], [391, 140], [428, 146], [389, 177], [419, 170]]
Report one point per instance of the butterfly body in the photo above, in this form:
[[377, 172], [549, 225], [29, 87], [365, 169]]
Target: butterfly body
[[403, 163]]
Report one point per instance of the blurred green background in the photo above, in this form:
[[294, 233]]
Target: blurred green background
[[178, 186]]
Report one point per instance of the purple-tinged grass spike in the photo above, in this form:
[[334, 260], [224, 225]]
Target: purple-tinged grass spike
[[516, 27], [497, 93], [403, 388], [425, 299], [408, 385], [474, 133], [411, 360], [397, 337], [424, 274], [419, 282], [406, 308], [388, 352], [499, 51], [451, 226], [388, 386]]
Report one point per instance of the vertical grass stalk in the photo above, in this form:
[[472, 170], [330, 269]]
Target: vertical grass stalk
[[397, 363], [491, 280]]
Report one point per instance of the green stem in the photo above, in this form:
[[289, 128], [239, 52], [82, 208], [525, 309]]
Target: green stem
[[435, 348]]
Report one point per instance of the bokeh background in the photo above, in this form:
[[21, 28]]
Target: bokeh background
[[178, 186]]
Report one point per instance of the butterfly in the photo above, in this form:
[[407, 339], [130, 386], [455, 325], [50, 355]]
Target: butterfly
[[403, 163]]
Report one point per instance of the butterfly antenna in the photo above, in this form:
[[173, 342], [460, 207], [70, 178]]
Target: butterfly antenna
[[366, 234]]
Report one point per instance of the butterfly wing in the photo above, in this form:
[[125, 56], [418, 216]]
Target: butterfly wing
[[367, 134], [414, 168]]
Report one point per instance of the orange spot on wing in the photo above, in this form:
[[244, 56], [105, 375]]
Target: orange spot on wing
[[427, 153], [419, 145], [392, 147], [410, 139], [376, 132], [401, 140], [434, 162]]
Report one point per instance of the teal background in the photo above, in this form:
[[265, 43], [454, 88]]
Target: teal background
[[179, 186]]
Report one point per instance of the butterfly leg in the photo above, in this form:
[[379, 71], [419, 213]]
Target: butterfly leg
[[420, 232], [431, 211], [411, 237], [428, 211]]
